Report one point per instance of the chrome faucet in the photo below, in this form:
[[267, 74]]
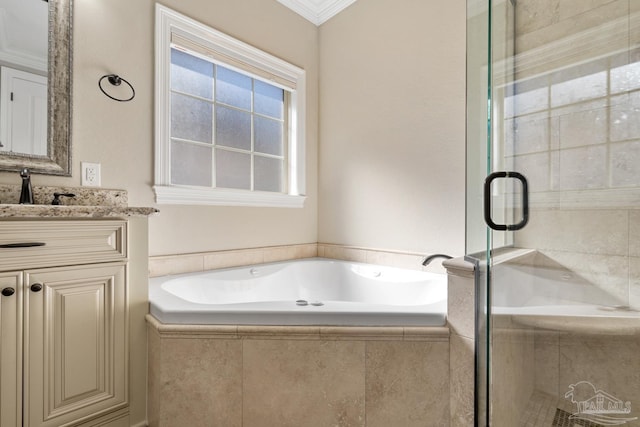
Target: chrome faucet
[[26, 194], [430, 258]]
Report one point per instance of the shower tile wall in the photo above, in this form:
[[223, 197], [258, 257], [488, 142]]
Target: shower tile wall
[[610, 361], [592, 243], [634, 257], [535, 361], [512, 348], [572, 126]]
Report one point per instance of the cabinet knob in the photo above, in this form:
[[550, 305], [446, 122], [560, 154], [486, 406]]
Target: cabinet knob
[[36, 287], [7, 292]]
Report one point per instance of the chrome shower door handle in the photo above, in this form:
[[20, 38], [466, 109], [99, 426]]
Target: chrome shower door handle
[[487, 201]]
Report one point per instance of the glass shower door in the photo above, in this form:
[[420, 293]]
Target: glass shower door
[[553, 139]]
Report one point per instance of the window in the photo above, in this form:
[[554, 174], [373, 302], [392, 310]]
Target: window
[[227, 128], [229, 120]]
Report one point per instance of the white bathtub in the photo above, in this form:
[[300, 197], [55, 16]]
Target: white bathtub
[[303, 292]]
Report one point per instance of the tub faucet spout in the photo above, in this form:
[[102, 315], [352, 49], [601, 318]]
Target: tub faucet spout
[[430, 258]]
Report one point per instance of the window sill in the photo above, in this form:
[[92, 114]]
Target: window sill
[[176, 195]]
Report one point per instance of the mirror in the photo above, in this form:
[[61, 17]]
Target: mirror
[[53, 155]]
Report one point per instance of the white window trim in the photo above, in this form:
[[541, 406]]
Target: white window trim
[[169, 21]]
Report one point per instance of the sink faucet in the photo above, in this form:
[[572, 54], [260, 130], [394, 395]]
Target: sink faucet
[[430, 258], [26, 195], [56, 197]]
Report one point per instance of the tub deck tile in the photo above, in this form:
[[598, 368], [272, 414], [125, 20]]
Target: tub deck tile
[[407, 384], [426, 333], [279, 332], [329, 333], [361, 332], [303, 383], [192, 331]]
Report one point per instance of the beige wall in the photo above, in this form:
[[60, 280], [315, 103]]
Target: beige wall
[[392, 137], [392, 86], [116, 36]]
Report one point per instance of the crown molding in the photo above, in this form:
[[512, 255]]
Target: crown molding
[[317, 11]]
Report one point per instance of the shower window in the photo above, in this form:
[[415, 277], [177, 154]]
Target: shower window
[[229, 120]]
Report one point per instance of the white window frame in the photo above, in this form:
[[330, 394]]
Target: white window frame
[[170, 22]]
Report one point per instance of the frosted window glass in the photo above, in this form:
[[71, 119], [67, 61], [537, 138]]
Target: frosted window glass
[[233, 88], [624, 117], [191, 118], [268, 174], [580, 89], [268, 100], [625, 164], [241, 118], [625, 78], [233, 170], [268, 136], [527, 102], [233, 128], [190, 164], [190, 74]]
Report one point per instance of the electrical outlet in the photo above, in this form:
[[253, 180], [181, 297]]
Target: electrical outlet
[[90, 174]]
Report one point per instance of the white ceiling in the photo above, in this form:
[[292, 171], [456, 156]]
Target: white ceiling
[[317, 11], [24, 33]]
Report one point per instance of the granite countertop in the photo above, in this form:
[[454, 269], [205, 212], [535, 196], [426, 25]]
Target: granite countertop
[[50, 211], [88, 203]]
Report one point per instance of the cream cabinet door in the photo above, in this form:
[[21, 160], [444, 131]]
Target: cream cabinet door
[[75, 343], [11, 349]]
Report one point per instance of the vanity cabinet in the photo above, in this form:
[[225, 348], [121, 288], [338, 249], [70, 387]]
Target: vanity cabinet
[[63, 323]]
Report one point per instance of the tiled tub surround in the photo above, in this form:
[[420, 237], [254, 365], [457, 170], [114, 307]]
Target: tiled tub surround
[[297, 376]]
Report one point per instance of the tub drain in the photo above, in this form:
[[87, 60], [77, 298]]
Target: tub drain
[[302, 302]]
